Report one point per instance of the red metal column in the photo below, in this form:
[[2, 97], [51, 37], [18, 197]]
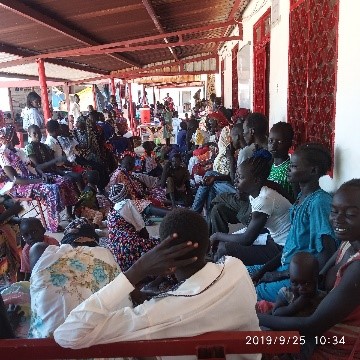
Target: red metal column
[[94, 96], [131, 115], [44, 93], [112, 86]]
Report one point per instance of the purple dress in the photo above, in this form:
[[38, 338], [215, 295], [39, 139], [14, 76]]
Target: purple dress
[[54, 196]]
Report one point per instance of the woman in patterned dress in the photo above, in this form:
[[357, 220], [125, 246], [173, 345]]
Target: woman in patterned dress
[[28, 185]]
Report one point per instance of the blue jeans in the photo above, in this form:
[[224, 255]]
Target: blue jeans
[[205, 194], [269, 291]]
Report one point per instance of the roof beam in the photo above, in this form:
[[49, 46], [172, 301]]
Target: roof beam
[[29, 77], [145, 70], [88, 50], [9, 49], [59, 26], [155, 20]]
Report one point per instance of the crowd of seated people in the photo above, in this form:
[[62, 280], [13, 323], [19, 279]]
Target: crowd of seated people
[[292, 266]]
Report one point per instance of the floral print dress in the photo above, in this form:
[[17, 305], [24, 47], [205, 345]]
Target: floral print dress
[[124, 241], [63, 278]]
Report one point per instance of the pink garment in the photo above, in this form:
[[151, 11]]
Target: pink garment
[[25, 255]]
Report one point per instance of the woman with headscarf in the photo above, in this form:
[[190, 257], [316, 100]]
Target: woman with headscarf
[[22, 183], [32, 114], [128, 237], [64, 276], [146, 193], [88, 149]]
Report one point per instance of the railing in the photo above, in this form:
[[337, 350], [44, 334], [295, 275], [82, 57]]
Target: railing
[[213, 345]]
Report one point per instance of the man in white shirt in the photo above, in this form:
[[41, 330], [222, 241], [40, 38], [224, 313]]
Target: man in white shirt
[[208, 296], [53, 127]]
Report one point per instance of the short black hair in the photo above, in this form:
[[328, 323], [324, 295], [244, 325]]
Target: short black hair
[[260, 164], [188, 225], [52, 125], [148, 145], [183, 125], [33, 126], [93, 177], [316, 154], [350, 183], [308, 260], [30, 220], [258, 122], [177, 156], [285, 128], [31, 97]]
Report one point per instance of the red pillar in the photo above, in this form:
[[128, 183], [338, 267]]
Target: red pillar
[[94, 96], [67, 96], [112, 86], [44, 93], [131, 115]]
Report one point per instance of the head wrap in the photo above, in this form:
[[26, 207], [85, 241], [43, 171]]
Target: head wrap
[[220, 118], [79, 228], [6, 134], [117, 193]]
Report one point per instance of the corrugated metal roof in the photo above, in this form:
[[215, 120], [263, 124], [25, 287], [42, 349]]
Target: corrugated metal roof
[[47, 26]]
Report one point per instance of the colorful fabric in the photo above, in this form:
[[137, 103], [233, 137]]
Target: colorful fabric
[[279, 174], [62, 278], [92, 215], [9, 253], [124, 241], [137, 190], [117, 193], [42, 152], [88, 145], [25, 254], [6, 134], [55, 196], [221, 162], [128, 209], [88, 198]]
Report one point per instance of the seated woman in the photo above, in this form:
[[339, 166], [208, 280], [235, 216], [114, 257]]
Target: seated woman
[[25, 184], [64, 276], [137, 188], [118, 141], [334, 328], [88, 150], [269, 210], [151, 164], [310, 229], [43, 159], [128, 237]]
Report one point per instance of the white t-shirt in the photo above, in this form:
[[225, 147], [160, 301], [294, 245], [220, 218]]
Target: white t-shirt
[[245, 153], [218, 297], [32, 116], [75, 111], [53, 144], [277, 208]]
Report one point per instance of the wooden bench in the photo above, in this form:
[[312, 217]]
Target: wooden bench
[[213, 345]]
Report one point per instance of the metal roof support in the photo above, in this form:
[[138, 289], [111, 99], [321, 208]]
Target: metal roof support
[[112, 86], [130, 109], [144, 70], [89, 50], [57, 25], [155, 20], [44, 93]]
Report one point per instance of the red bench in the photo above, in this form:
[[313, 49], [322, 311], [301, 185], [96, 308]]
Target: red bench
[[213, 345]]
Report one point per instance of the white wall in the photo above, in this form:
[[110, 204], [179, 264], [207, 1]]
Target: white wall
[[279, 44], [347, 120]]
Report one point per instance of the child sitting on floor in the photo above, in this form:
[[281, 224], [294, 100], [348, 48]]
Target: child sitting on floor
[[87, 206], [32, 232], [302, 297]]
